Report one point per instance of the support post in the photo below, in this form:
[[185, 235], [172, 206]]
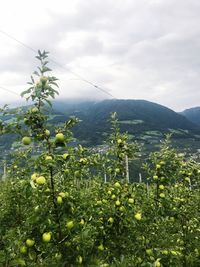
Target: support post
[[4, 171], [105, 178], [127, 168], [140, 177]]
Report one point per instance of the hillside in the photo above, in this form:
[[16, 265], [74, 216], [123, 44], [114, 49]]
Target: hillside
[[135, 116], [192, 114], [144, 121]]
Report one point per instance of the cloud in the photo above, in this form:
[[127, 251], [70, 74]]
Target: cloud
[[146, 49]]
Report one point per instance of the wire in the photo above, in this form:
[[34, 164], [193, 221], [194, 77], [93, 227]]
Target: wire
[[8, 90], [23, 44], [83, 79], [60, 65]]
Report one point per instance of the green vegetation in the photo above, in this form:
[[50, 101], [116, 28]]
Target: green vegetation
[[131, 122], [64, 205]]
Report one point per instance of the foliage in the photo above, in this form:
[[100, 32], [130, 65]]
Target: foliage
[[57, 208]]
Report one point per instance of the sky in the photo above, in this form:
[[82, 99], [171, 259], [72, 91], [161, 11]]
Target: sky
[[132, 49]]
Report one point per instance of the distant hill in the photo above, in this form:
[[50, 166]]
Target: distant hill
[[144, 121], [192, 114], [135, 116]]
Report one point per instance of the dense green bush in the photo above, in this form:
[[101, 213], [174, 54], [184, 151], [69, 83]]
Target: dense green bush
[[58, 210]]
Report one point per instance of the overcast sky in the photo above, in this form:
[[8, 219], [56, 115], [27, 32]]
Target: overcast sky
[[136, 49]]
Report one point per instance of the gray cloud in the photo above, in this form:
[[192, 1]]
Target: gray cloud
[[135, 48]]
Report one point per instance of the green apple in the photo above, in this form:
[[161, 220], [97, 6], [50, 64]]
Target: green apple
[[34, 110], [70, 225], [41, 180], [155, 177], [77, 174], [26, 140], [121, 155], [47, 190], [66, 171], [23, 249], [157, 263], [83, 161], [162, 195], [149, 251], [34, 176], [65, 156], [119, 141], [130, 200], [60, 138], [110, 220], [30, 242], [48, 158], [161, 187], [63, 195], [122, 208], [59, 200], [117, 185], [43, 79], [196, 251], [165, 252], [58, 256], [79, 259], [46, 237], [138, 216], [82, 222], [117, 203], [47, 132], [101, 247], [36, 209], [187, 179], [99, 202], [117, 170]]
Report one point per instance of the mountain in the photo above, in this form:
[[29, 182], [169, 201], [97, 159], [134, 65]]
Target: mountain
[[135, 116], [144, 121], [192, 114]]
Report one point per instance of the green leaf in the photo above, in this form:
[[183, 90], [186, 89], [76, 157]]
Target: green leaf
[[40, 54], [45, 63], [17, 262], [36, 73], [26, 92], [49, 102], [54, 84], [40, 70], [32, 79]]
